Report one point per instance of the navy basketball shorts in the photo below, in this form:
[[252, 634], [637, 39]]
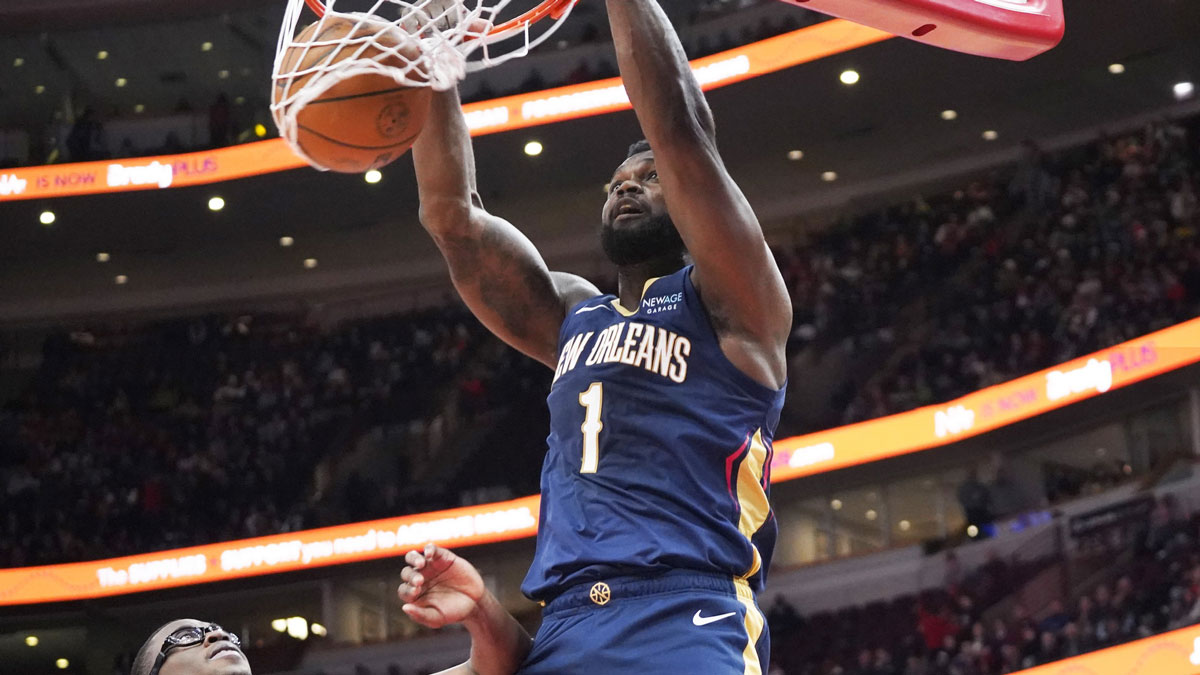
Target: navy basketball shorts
[[677, 623]]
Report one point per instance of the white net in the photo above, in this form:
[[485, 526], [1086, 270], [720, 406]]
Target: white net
[[424, 43]]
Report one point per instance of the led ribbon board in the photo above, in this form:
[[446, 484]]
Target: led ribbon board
[[905, 433], [1174, 653], [486, 117], [391, 537], [989, 408]]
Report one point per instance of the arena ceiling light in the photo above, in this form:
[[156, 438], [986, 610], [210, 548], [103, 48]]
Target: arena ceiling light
[[18, 62], [286, 241], [139, 108], [310, 263], [849, 77], [904, 525], [103, 257], [223, 74], [990, 135], [1116, 68], [206, 46], [62, 664], [949, 115], [829, 176], [121, 280], [216, 203], [1183, 90], [373, 176], [297, 627], [31, 640], [47, 218], [872, 514], [318, 630], [101, 55], [836, 505], [534, 148], [121, 82], [795, 155], [40, 89], [280, 625]]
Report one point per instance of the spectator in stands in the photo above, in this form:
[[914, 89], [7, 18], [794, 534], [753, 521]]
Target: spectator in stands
[[85, 141]]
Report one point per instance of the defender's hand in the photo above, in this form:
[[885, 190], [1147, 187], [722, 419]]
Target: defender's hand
[[439, 587]]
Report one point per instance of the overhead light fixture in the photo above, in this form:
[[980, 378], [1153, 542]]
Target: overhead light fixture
[[905, 526], [279, 625], [1183, 90], [241, 100], [121, 82], [318, 630], [47, 218], [872, 514], [216, 203], [223, 74], [373, 176], [206, 46], [533, 148], [101, 55], [310, 263], [103, 257], [829, 176], [18, 62], [139, 108], [297, 627], [62, 664], [1116, 68], [39, 89], [286, 241], [949, 115], [795, 155], [31, 640], [849, 77], [121, 279], [990, 135], [836, 505], [972, 531]]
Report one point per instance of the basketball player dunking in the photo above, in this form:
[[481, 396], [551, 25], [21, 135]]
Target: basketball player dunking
[[656, 531]]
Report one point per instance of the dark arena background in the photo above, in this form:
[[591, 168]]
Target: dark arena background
[[236, 388]]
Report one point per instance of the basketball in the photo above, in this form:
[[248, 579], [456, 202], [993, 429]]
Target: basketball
[[364, 122]]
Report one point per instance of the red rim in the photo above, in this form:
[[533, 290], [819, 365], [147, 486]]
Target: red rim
[[552, 8]]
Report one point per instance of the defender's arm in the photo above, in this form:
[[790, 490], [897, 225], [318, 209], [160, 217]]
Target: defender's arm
[[496, 269], [441, 588], [735, 271]]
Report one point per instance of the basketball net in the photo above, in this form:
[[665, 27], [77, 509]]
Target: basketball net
[[430, 43]]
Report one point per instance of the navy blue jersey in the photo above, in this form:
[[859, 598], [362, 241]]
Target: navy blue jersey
[[660, 448]]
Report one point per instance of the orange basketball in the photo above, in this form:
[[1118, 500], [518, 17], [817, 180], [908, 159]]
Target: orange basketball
[[363, 122]]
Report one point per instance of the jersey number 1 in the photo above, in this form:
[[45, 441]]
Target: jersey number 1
[[592, 401]]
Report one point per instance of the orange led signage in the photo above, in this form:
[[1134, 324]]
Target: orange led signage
[[1174, 653], [989, 408], [486, 117], [269, 555]]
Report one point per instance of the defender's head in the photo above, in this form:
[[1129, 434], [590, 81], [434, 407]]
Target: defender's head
[[635, 225], [191, 647]]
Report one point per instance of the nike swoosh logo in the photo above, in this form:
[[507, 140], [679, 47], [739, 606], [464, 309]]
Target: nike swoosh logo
[[698, 620], [581, 310]]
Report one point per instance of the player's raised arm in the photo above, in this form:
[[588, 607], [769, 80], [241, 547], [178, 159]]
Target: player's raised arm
[[440, 589], [496, 269], [734, 270]]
